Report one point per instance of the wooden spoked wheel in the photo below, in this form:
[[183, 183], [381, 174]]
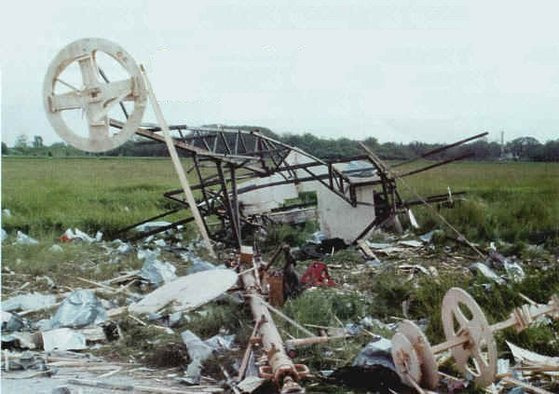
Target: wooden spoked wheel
[[94, 97], [463, 318], [406, 360]]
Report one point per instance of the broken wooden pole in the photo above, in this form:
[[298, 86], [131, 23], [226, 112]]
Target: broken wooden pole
[[281, 369], [178, 166]]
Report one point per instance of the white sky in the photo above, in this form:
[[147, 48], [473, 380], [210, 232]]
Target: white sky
[[400, 71]]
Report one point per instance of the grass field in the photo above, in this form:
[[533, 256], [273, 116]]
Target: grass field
[[509, 201], [46, 196]]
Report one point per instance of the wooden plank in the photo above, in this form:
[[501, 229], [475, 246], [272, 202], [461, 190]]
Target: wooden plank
[[178, 166]]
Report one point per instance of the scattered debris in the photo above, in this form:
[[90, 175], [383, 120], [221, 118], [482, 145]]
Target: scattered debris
[[372, 369], [428, 237], [55, 249], [487, 272], [375, 353], [24, 239], [187, 292], [11, 321], [28, 301], [317, 275], [19, 340], [534, 360], [63, 339], [24, 361], [411, 243], [155, 271], [250, 384], [197, 264], [514, 271], [151, 226], [199, 351], [81, 308]]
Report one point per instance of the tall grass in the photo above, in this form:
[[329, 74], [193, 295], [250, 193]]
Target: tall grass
[[507, 201], [46, 196]]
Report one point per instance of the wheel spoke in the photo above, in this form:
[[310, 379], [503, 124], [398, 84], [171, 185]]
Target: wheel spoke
[[459, 316], [65, 101], [99, 130], [112, 94], [117, 91], [481, 362], [89, 71]]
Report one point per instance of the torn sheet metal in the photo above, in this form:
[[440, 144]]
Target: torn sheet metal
[[157, 272], [80, 309], [19, 340], [151, 225], [24, 239], [199, 351], [373, 369], [374, 354], [514, 271], [11, 321], [526, 356], [385, 248], [187, 292], [487, 272], [77, 235], [27, 360], [28, 301], [411, 243], [63, 339], [197, 264], [221, 342], [154, 270], [427, 237], [250, 384]]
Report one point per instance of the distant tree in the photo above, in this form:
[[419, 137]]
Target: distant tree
[[520, 147], [37, 141], [5, 148], [21, 141]]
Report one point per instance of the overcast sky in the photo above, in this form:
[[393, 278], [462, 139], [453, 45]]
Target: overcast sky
[[400, 71]]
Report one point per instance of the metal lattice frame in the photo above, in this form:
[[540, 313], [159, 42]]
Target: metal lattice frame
[[221, 157]]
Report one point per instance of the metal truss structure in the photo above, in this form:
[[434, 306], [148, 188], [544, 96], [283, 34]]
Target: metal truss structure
[[222, 157]]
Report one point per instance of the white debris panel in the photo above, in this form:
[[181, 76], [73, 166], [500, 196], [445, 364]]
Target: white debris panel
[[337, 218]]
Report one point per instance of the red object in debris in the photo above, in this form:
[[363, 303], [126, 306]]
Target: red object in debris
[[64, 238], [317, 275]]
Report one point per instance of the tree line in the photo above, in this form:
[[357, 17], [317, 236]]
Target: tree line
[[523, 148]]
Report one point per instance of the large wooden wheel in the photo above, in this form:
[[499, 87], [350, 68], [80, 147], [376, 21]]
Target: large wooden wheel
[[462, 317], [95, 97]]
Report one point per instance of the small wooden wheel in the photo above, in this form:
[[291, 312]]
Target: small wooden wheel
[[420, 343], [406, 360], [94, 97], [462, 317]]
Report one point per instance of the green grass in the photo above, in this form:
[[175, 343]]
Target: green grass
[[509, 201], [47, 196]]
